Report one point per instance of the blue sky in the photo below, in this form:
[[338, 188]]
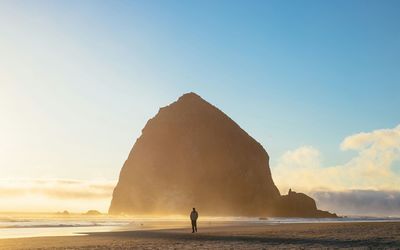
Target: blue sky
[[79, 79]]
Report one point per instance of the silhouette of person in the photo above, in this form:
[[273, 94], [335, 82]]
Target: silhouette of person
[[193, 217]]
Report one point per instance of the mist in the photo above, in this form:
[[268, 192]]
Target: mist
[[360, 202]]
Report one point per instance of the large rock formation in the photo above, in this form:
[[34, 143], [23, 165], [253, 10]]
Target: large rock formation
[[192, 155]]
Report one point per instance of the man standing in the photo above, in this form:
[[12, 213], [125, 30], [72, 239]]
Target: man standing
[[193, 217]]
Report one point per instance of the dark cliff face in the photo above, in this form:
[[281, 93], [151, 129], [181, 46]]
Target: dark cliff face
[[192, 155]]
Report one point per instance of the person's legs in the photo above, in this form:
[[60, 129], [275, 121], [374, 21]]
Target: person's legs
[[193, 225]]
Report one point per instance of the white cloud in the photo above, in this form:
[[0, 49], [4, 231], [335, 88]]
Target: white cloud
[[371, 168]]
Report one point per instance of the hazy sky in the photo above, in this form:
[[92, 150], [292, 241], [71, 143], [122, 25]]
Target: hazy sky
[[79, 80]]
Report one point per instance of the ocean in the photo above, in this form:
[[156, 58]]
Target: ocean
[[18, 226]]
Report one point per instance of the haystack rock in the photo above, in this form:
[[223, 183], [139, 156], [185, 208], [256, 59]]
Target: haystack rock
[[193, 155]]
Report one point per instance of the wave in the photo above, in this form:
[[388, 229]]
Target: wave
[[54, 224], [49, 223]]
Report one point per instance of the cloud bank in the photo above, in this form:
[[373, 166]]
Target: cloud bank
[[372, 169], [47, 195], [360, 202]]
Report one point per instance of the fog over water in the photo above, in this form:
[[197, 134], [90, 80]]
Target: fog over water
[[360, 202]]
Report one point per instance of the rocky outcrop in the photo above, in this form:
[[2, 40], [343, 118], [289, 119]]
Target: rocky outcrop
[[299, 205], [193, 155], [92, 212]]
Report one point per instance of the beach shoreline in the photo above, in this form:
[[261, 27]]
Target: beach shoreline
[[359, 235]]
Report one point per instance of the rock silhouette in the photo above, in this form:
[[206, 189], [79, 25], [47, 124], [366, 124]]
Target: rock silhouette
[[92, 212], [193, 155], [299, 205]]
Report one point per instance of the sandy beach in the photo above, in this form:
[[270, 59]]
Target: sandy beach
[[363, 235]]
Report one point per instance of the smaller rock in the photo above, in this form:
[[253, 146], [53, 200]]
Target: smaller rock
[[300, 205], [64, 213], [92, 212]]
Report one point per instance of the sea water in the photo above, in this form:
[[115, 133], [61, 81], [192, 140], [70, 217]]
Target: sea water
[[16, 226]]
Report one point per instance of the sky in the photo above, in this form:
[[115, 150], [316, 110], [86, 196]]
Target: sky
[[317, 83]]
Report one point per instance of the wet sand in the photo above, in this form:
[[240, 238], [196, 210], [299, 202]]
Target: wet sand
[[364, 235]]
